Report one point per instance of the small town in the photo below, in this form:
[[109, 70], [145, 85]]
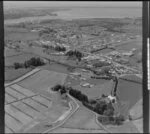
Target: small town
[[79, 75]]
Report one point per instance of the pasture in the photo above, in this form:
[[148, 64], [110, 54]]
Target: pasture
[[12, 74], [9, 61], [83, 118], [127, 89], [43, 80], [97, 90], [20, 34]]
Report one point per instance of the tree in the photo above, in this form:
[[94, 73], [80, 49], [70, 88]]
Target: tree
[[62, 91], [100, 107], [56, 87], [91, 101], [119, 119], [17, 65]]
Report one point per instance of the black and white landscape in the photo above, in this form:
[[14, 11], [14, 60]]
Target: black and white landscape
[[73, 67]]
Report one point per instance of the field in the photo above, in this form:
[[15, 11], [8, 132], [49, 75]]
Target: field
[[136, 111], [127, 46], [16, 34], [12, 74], [56, 68], [9, 61], [127, 127], [42, 80], [98, 90], [139, 124], [126, 89], [25, 107], [10, 52], [83, 118]]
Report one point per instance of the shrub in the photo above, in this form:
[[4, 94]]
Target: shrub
[[56, 87], [104, 120], [119, 119], [75, 53], [60, 49], [17, 65], [92, 101], [34, 62], [100, 107], [77, 94]]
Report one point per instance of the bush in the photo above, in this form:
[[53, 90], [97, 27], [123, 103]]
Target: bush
[[104, 120], [17, 65], [34, 62], [78, 95], [100, 107], [60, 49], [92, 101], [119, 120], [100, 64], [75, 53], [56, 87]]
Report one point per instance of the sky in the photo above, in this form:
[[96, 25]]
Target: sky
[[9, 4]]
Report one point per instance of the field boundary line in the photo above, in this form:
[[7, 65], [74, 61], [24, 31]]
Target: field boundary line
[[21, 99], [23, 77]]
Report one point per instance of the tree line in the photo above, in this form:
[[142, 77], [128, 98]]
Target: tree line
[[75, 53], [29, 63], [101, 106]]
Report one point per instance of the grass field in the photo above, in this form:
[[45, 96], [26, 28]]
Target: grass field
[[10, 52], [127, 127], [139, 124], [42, 80], [12, 74], [83, 118], [9, 61], [127, 46], [129, 92], [98, 90], [137, 110], [56, 67], [20, 34]]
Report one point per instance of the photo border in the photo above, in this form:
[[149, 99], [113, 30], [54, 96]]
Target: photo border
[[146, 93]]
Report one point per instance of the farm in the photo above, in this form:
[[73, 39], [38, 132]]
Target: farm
[[24, 106], [65, 75]]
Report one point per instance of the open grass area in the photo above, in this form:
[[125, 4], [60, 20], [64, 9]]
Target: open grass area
[[56, 67], [9, 61], [139, 124], [42, 80], [83, 118], [10, 52], [98, 90], [137, 110], [12, 74], [127, 127], [20, 34], [127, 46], [126, 90]]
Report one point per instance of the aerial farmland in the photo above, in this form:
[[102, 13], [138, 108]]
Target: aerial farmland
[[69, 73]]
